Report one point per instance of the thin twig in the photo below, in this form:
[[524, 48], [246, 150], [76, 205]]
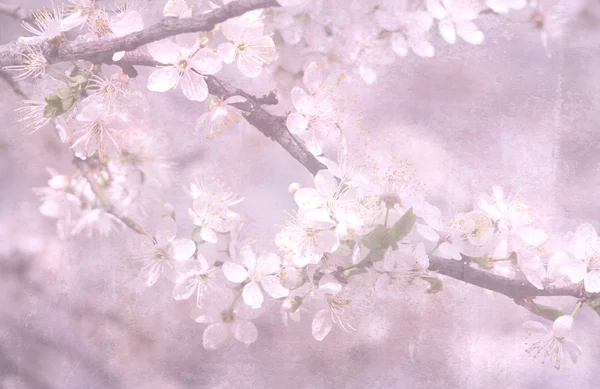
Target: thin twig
[[83, 166]]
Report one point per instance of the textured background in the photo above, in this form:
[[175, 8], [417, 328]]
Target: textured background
[[73, 315]]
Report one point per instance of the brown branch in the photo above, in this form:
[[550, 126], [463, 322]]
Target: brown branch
[[84, 167], [102, 51], [15, 11]]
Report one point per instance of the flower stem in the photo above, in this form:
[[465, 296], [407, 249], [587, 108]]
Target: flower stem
[[577, 307]]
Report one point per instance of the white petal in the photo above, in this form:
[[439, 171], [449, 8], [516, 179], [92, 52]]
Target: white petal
[[250, 61], [183, 290], [177, 8], [436, 9], [308, 198], [321, 324], [591, 282], [166, 232], [183, 249], [447, 250], [245, 331], [118, 56], [252, 295], [164, 51], [327, 241], [303, 102], [535, 326], [268, 263], [226, 52], [297, 123], [72, 21], [326, 183], [207, 62], [234, 272], [126, 23], [215, 335], [194, 86], [273, 287], [421, 47], [208, 235], [470, 33], [447, 31], [399, 44], [313, 77], [163, 79], [572, 349]]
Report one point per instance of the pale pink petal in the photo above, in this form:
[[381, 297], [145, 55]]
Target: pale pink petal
[[183, 290], [226, 52], [446, 250], [321, 324], [252, 295], [272, 286], [208, 235], [183, 248], [470, 33], [308, 198], [303, 102], [234, 272], [126, 23], [325, 183], [268, 263], [163, 79], [297, 123], [447, 31], [399, 44], [313, 77], [215, 335], [194, 86], [327, 241], [166, 232], [592, 282], [164, 51], [245, 331], [207, 62]]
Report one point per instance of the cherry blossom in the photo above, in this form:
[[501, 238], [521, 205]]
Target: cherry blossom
[[198, 276], [187, 63], [50, 25], [178, 9], [248, 46], [456, 18], [552, 344], [98, 132], [164, 251], [584, 265], [260, 271]]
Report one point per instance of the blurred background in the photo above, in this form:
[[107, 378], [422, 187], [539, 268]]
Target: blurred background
[[74, 315]]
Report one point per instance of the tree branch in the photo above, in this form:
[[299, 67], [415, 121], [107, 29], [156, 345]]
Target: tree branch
[[102, 51]]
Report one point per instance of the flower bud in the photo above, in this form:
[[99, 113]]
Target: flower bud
[[291, 304], [562, 326], [293, 188]]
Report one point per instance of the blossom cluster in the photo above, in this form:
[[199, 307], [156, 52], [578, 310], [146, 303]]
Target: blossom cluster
[[363, 233]]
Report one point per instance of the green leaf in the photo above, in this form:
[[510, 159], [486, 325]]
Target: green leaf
[[63, 92], [52, 111], [435, 284], [544, 311], [376, 239], [402, 227]]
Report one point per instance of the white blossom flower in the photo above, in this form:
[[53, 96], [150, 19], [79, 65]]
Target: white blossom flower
[[504, 6], [261, 271], [198, 276], [220, 115], [307, 236], [34, 64], [97, 134], [210, 209], [111, 92], [178, 9], [96, 220], [223, 323], [165, 251], [508, 213], [50, 25], [407, 28], [584, 265], [552, 344], [187, 63], [345, 305], [456, 18], [248, 47], [400, 268]]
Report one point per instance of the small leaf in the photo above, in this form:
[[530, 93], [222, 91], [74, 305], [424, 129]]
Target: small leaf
[[376, 239], [482, 262], [435, 284], [544, 311], [402, 227], [63, 92], [52, 111]]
